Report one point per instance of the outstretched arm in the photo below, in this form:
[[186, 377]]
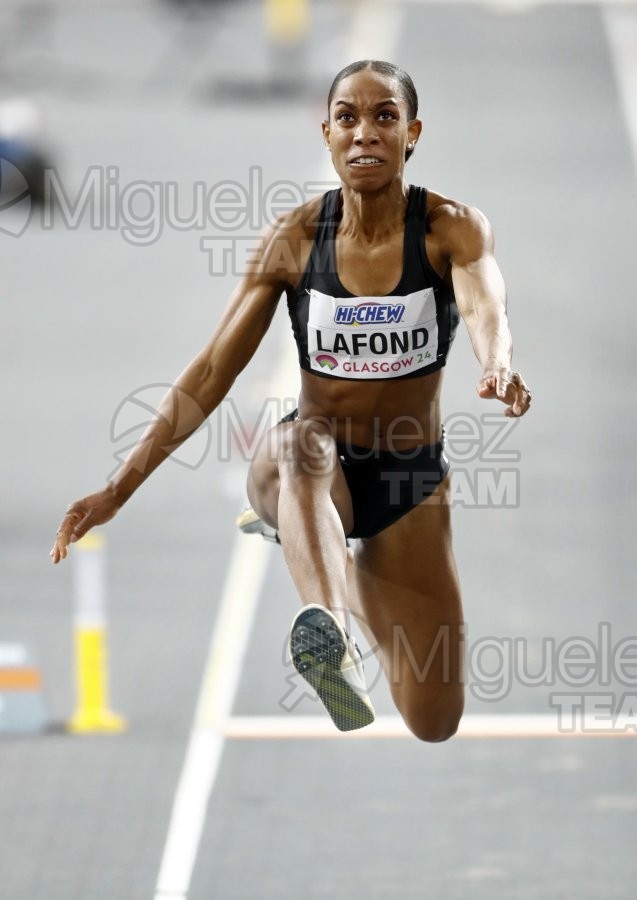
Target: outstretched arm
[[197, 391], [481, 298]]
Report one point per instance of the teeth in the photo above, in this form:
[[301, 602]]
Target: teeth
[[365, 161]]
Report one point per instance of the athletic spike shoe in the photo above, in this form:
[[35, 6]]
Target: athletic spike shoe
[[249, 523], [329, 660]]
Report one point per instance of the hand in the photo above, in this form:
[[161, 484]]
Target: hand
[[507, 386], [81, 516]]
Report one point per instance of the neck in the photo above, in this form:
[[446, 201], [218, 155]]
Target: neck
[[373, 216]]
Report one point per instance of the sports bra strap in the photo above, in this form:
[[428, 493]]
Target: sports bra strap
[[417, 207], [329, 215]]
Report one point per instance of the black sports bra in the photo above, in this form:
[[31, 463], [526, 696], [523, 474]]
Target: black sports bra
[[404, 334]]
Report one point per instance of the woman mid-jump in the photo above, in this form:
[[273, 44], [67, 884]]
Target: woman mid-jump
[[376, 275]]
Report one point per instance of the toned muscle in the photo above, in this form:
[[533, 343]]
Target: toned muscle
[[390, 413]]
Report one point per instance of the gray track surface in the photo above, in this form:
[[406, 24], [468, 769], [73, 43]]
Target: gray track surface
[[522, 119]]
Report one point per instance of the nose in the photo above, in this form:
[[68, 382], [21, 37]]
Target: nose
[[365, 132]]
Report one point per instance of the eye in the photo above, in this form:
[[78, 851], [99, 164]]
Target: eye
[[387, 114], [344, 116]]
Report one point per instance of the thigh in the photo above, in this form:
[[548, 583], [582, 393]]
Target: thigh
[[405, 588], [307, 451], [263, 482]]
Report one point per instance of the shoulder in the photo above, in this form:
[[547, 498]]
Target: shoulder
[[463, 232], [299, 223], [287, 242]]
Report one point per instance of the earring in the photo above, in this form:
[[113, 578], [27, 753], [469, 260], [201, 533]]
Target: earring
[[411, 146]]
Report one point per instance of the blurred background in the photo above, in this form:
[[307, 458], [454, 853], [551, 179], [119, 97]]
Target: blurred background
[[168, 133]]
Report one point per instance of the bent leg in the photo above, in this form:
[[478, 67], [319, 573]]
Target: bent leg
[[404, 585], [296, 484]]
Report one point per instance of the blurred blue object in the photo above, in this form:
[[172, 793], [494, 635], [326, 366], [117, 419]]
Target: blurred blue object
[[21, 146]]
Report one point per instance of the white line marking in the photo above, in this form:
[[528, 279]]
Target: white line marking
[[244, 580], [223, 666], [221, 678], [504, 725], [621, 30]]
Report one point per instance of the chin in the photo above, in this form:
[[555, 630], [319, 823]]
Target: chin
[[367, 182]]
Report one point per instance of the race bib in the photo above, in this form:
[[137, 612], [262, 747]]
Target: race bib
[[372, 337]]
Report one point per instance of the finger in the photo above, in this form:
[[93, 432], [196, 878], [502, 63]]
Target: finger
[[514, 410], [58, 552], [526, 396], [487, 384], [82, 527], [64, 532], [61, 538], [518, 407], [504, 379], [523, 396]]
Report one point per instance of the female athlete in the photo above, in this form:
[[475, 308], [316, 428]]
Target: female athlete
[[376, 275]]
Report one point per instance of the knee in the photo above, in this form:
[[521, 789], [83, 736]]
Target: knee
[[308, 447], [434, 725], [433, 732]]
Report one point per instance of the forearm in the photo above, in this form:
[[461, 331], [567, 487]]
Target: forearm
[[185, 406], [201, 387], [491, 337], [481, 298], [191, 399]]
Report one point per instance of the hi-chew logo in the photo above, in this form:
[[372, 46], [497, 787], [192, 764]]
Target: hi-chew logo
[[371, 312]]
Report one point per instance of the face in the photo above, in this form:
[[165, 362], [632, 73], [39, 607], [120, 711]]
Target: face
[[369, 130]]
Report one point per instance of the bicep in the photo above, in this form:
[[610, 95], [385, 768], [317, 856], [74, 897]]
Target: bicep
[[253, 303], [242, 326]]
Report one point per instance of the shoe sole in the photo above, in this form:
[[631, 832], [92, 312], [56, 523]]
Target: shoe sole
[[249, 523], [317, 649]]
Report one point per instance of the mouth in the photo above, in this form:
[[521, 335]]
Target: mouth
[[364, 161]]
